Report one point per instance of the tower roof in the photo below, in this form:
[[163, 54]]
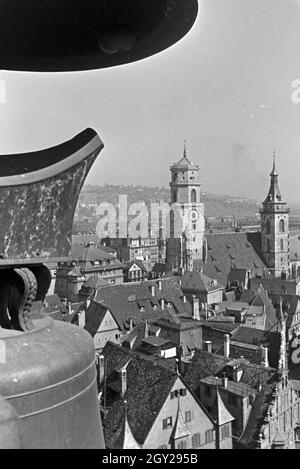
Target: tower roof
[[184, 161], [274, 194]]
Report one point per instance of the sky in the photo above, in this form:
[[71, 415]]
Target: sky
[[225, 88]]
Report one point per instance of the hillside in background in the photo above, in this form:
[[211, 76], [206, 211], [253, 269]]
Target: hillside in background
[[216, 205]]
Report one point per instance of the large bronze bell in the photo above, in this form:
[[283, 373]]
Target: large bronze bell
[[47, 369], [69, 35]]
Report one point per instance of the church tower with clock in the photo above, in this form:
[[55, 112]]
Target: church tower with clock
[[187, 222], [275, 229]]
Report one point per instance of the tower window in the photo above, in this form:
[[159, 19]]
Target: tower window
[[268, 226], [268, 245], [193, 196], [281, 245], [281, 226]]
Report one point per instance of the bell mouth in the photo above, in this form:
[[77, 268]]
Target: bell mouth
[[74, 35]]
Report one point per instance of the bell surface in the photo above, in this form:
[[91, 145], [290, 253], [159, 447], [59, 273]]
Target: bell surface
[[38, 197], [49, 379], [72, 35]]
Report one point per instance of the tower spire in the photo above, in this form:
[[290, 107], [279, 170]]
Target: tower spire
[[184, 149], [274, 171]]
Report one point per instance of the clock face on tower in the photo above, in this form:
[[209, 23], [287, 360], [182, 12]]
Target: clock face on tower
[[194, 214]]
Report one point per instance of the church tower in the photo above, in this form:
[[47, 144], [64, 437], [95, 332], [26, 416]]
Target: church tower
[[275, 229], [187, 222]]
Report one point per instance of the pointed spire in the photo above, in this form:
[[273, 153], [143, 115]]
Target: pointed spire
[[184, 161], [184, 149], [219, 411], [180, 429], [274, 171], [274, 195], [129, 442]]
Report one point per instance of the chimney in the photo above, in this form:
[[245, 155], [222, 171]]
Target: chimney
[[237, 374], [264, 357], [196, 313], [159, 284], [208, 346], [152, 290], [146, 329], [162, 303], [100, 366], [123, 374], [226, 346], [225, 382], [81, 319], [184, 298], [130, 324]]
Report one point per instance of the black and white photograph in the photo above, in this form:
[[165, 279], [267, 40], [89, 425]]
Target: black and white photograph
[[149, 227]]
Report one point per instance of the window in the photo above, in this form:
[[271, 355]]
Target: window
[[196, 440], [182, 392], [209, 436], [268, 245], [281, 245], [194, 226], [268, 226], [225, 432], [207, 391], [281, 226], [182, 444], [193, 196], [167, 423], [188, 416]]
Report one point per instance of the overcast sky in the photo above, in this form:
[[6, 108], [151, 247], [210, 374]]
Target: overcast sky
[[225, 88]]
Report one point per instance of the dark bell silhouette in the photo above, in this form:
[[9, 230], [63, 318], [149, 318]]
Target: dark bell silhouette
[[71, 35]]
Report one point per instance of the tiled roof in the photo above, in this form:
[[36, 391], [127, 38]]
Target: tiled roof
[[134, 300], [198, 281], [245, 336], [206, 364], [256, 377], [148, 386], [94, 317], [232, 250], [274, 285], [258, 298], [89, 254]]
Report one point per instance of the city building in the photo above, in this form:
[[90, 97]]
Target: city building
[[134, 271], [262, 400], [207, 290], [131, 303], [87, 261], [147, 406], [187, 222], [147, 250]]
